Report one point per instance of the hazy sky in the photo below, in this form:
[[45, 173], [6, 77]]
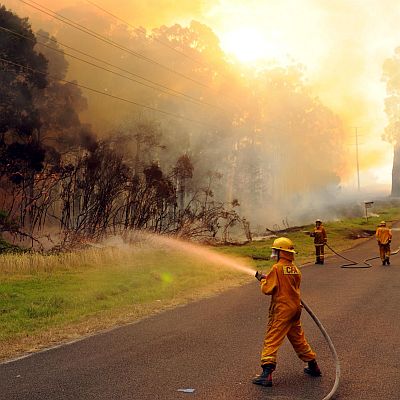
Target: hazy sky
[[341, 43]]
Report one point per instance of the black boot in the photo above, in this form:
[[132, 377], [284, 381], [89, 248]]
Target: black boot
[[265, 378], [312, 369], [387, 261]]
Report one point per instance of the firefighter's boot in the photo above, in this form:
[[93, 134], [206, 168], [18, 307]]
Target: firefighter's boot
[[265, 378], [312, 369]]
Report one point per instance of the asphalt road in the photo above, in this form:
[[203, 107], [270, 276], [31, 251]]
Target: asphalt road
[[213, 346]]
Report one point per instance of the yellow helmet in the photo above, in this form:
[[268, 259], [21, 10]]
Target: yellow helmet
[[283, 244], [383, 223]]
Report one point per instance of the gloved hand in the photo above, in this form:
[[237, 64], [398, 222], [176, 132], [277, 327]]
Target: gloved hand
[[389, 241], [259, 275]]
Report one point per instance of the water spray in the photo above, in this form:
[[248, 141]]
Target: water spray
[[201, 252]]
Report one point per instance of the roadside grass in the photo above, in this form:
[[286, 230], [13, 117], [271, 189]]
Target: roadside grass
[[73, 294], [48, 299], [342, 235]]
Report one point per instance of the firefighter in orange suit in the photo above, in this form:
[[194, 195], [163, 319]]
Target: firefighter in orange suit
[[320, 240], [283, 284], [384, 238]]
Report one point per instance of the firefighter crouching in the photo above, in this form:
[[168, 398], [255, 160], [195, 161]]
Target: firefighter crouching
[[283, 284], [384, 238], [320, 240]]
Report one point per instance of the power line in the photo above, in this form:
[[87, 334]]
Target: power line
[[98, 36], [176, 93], [107, 94], [102, 38], [142, 30]]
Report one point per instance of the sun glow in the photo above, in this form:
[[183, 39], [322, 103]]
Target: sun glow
[[248, 45]]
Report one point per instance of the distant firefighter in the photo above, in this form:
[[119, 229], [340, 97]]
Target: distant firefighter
[[320, 240], [384, 238]]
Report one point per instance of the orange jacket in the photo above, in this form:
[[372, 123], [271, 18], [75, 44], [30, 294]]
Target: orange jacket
[[319, 235], [283, 284], [383, 234]]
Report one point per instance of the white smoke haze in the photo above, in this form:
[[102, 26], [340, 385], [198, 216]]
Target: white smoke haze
[[284, 145]]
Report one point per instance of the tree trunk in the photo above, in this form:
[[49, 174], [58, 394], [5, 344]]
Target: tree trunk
[[396, 171]]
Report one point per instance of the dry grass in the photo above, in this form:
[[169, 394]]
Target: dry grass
[[32, 263]]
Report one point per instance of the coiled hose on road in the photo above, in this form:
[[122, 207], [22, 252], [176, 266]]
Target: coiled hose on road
[[355, 264], [352, 264]]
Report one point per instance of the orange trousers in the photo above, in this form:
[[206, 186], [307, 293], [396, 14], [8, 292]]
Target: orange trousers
[[278, 328], [384, 251], [320, 252]]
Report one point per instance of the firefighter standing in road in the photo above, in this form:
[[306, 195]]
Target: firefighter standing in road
[[283, 284], [384, 238], [320, 240]]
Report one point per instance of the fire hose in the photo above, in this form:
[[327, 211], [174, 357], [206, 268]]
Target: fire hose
[[355, 264], [352, 264], [331, 347]]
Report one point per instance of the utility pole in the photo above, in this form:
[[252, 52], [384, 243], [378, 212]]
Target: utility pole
[[357, 158], [358, 166]]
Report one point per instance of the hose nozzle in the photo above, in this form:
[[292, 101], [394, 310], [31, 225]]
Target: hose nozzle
[[259, 275]]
